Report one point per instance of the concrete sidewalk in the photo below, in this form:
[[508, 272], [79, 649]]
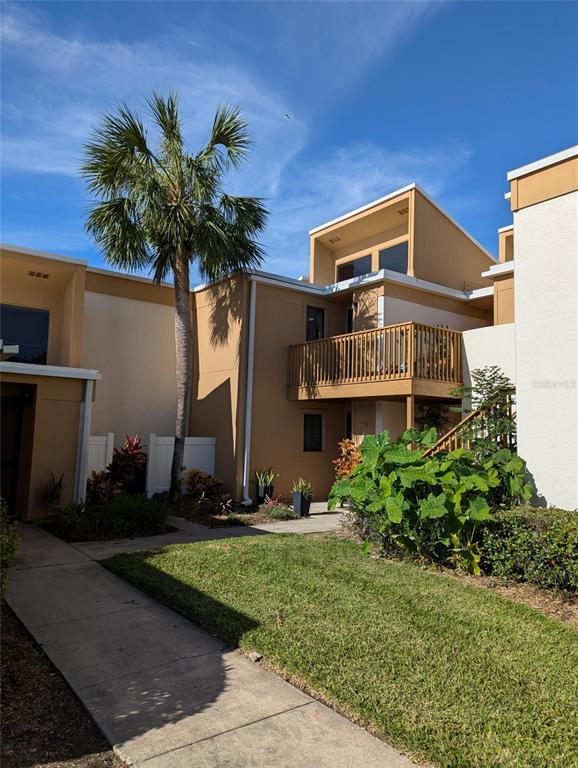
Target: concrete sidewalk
[[320, 521], [164, 692]]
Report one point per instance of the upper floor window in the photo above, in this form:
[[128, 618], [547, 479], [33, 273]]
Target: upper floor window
[[28, 328], [394, 258], [315, 324], [355, 268]]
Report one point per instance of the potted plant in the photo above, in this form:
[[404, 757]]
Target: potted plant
[[265, 480], [302, 493]]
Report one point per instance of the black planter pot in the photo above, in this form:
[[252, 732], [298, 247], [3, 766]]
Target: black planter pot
[[263, 491], [301, 505]]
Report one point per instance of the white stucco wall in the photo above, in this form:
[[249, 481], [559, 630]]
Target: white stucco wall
[[401, 311], [132, 344], [494, 345], [546, 306]]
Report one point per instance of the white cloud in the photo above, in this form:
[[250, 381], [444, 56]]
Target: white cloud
[[347, 178]]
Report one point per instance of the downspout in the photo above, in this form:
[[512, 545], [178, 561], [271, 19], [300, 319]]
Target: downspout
[[247, 501], [83, 439]]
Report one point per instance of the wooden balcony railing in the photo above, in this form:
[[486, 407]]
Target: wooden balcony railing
[[406, 350]]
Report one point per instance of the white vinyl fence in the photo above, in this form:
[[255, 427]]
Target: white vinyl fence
[[199, 454], [100, 448]]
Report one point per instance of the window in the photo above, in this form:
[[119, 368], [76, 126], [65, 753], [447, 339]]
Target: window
[[312, 432], [348, 426], [315, 324], [29, 329], [394, 258], [354, 268]]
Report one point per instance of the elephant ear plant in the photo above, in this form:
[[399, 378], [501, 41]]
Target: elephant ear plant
[[431, 506]]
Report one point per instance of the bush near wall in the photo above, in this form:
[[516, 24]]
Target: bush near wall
[[123, 516], [539, 546], [9, 542]]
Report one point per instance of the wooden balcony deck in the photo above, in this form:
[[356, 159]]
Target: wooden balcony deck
[[404, 359]]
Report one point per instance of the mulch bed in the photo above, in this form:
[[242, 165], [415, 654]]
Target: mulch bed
[[43, 722], [205, 514]]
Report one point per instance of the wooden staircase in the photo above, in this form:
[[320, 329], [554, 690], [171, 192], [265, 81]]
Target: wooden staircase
[[472, 427]]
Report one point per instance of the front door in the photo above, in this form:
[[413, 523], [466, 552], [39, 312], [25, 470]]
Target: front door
[[11, 438], [315, 324]]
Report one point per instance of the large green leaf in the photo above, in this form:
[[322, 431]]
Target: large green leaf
[[479, 509], [433, 506]]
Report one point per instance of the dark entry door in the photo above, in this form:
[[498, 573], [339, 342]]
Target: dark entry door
[[12, 408], [315, 324]]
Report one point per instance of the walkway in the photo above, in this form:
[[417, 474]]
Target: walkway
[[320, 521], [165, 693]]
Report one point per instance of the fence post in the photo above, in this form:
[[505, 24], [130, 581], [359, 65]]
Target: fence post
[[150, 462]]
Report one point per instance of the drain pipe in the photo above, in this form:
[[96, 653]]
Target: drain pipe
[[247, 501]]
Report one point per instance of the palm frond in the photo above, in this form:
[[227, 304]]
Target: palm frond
[[115, 226], [229, 133]]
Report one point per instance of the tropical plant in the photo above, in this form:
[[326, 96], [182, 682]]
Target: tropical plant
[[492, 393], [349, 457], [199, 483], [303, 487], [266, 477], [275, 509], [52, 490], [430, 506], [163, 208], [128, 465], [9, 542]]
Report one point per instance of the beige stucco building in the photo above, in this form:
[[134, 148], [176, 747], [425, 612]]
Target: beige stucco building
[[400, 304]]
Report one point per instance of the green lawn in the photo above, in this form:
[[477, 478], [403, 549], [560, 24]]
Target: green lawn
[[457, 675]]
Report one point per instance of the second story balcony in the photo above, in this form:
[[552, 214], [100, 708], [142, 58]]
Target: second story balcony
[[395, 360]]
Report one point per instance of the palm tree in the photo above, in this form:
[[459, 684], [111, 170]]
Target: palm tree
[[163, 208]]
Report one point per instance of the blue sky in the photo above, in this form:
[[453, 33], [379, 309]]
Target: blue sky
[[451, 95]]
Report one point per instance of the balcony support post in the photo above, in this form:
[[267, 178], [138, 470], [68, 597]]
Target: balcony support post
[[410, 411]]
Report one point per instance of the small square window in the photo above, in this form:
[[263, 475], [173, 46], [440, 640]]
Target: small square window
[[312, 432]]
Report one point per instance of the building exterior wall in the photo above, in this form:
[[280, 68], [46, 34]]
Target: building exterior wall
[[277, 427], [220, 322], [494, 345], [546, 184], [504, 311], [49, 438], [442, 252], [131, 342], [546, 344], [506, 245]]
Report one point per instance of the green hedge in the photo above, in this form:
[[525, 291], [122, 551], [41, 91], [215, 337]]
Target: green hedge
[[534, 545], [124, 516]]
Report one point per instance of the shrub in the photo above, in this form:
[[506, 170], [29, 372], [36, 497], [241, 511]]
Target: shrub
[[199, 483], [126, 473], [128, 466], [275, 509], [124, 516], [432, 506], [266, 477], [535, 545], [349, 457], [9, 543]]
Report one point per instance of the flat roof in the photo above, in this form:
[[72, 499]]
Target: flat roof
[[499, 269], [544, 162], [392, 195], [506, 229], [42, 254]]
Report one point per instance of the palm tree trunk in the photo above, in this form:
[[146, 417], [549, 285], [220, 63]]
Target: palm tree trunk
[[184, 360]]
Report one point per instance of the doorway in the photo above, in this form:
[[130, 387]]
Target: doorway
[[17, 419]]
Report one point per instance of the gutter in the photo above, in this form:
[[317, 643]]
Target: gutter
[[247, 501]]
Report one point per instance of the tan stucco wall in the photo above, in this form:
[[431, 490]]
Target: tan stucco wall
[[442, 253], [56, 411], [219, 374], [504, 300], [61, 294], [544, 184], [506, 246], [277, 437], [131, 343]]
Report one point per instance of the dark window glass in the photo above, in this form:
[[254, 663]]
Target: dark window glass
[[394, 258], [312, 432], [315, 324], [348, 426], [29, 329], [355, 268]]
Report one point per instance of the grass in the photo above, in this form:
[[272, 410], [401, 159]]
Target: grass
[[456, 675]]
